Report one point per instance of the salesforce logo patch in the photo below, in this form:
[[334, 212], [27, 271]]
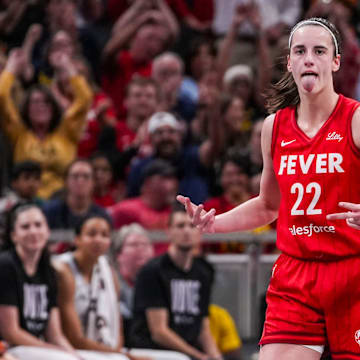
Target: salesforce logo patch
[[311, 229]]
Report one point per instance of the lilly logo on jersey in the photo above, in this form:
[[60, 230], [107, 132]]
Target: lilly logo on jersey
[[334, 136], [311, 229]]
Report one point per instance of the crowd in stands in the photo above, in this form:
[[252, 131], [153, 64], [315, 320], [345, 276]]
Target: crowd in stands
[[108, 109]]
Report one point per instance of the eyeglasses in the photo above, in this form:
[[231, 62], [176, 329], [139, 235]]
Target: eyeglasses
[[76, 176]]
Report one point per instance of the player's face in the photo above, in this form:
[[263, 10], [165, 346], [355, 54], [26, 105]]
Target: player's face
[[31, 231], [94, 239], [311, 60]]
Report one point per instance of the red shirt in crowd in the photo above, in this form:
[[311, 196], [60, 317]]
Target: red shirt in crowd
[[203, 10], [115, 78], [89, 140]]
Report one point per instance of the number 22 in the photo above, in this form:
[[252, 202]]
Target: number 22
[[299, 188]]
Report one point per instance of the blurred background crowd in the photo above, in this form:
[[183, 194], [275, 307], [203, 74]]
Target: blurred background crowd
[[156, 97], [112, 107]]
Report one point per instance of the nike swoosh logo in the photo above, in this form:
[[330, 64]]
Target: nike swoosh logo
[[284, 143]]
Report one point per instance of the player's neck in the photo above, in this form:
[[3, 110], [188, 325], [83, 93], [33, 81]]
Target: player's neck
[[315, 110]]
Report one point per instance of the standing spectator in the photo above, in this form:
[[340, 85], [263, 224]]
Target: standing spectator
[[167, 71], [192, 162], [152, 208], [41, 134], [77, 202], [163, 319], [199, 60], [29, 316], [100, 114], [235, 185], [129, 138], [339, 13], [132, 250], [105, 189], [149, 32], [239, 79], [16, 17], [141, 101], [276, 16]]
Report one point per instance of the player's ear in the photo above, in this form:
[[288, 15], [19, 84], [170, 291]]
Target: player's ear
[[288, 65], [336, 63]]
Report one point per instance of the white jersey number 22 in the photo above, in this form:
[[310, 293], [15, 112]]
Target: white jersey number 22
[[312, 187]]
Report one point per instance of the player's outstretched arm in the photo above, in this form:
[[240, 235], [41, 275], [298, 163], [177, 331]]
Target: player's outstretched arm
[[352, 216], [253, 213]]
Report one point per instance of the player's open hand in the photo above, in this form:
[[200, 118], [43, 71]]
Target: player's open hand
[[203, 220], [352, 216]]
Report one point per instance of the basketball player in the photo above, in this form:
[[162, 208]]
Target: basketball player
[[311, 151]]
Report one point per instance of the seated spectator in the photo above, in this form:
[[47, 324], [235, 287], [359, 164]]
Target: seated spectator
[[88, 291], [132, 250], [25, 183], [152, 208], [172, 294], [68, 210], [192, 162], [29, 316], [224, 331], [149, 31], [41, 135], [106, 190]]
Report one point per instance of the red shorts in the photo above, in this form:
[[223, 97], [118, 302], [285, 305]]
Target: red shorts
[[315, 303]]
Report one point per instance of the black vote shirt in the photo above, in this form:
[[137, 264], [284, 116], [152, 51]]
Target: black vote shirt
[[185, 294], [34, 296]]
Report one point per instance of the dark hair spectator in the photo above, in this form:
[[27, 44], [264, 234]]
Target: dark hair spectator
[[159, 320], [148, 32], [159, 185], [29, 280], [39, 133], [76, 201]]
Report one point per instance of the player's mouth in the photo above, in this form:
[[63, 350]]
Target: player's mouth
[[309, 73]]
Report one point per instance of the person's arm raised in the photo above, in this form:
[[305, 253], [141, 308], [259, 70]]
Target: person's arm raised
[[10, 120], [253, 213]]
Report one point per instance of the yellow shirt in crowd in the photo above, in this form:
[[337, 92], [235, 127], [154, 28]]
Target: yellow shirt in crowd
[[58, 149], [223, 329]]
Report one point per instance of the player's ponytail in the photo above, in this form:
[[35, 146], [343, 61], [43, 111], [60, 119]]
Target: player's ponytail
[[282, 94]]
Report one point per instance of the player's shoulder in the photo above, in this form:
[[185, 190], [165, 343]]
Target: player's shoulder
[[269, 122]]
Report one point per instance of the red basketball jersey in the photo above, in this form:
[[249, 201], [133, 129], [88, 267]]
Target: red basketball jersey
[[314, 175]]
